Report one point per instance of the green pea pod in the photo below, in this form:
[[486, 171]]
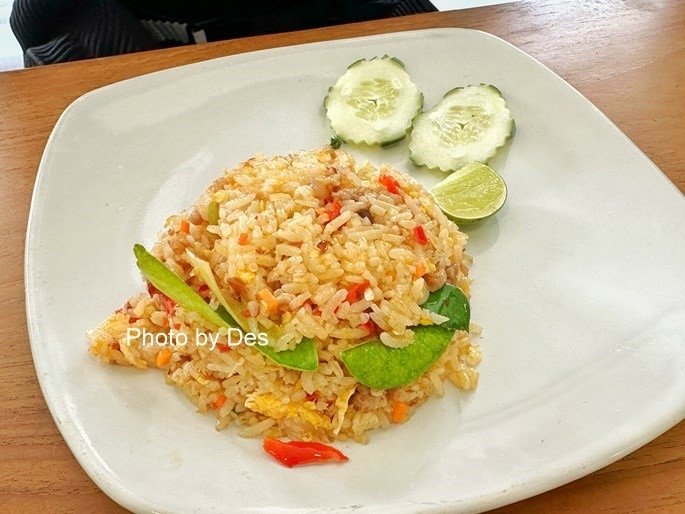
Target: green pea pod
[[450, 301], [173, 286], [380, 367], [303, 357]]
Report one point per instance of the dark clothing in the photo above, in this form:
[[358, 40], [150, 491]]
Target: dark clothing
[[51, 31]]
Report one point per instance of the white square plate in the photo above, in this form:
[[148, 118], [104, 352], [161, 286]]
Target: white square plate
[[578, 285]]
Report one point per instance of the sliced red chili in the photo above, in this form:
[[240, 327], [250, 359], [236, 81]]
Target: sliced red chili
[[298, 453], [420, 235], [371, 327], [169, 305], [390, 184], [224, 348], [356, 291], [152, 290]]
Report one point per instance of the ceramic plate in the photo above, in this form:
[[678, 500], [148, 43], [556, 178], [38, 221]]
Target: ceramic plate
[[578, 286]]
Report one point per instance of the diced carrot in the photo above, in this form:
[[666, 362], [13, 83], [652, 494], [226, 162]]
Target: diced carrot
[[268, 297], [399, 412], [224, 348], [243, 239], [420, 270], [355, 292], [185, 226], [333, 209], [389, 183], [420, 235], [163, 357], [218, 403]]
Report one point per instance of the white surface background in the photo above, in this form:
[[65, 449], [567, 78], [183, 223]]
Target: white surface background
[[578, 284]]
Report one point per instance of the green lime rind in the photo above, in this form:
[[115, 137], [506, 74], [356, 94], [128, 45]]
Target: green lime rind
[[472, 193], [378, 366]]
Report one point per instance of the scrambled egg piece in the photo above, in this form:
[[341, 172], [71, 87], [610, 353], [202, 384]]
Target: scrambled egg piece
[[342, 403], [269, 405]]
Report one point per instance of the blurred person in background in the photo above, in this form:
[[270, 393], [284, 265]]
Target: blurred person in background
[[51, 31]]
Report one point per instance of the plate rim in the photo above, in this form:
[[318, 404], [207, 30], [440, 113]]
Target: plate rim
[[110, 483]]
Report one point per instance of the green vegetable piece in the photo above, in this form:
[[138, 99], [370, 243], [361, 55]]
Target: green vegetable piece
[[380, 367], [303, 357], [204, 272], [171, 285], [450, 301], [213, 213], [336, 142]]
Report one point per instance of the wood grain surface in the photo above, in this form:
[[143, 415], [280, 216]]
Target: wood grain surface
[[627, 57]]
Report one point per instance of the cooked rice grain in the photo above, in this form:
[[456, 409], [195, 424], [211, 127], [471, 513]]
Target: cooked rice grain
[[278, 230]]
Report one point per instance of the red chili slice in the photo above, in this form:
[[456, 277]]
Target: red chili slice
[[420, 235], [356, 291], [371, 327], [389, 183], [152, 290], [169, 305], [298, 453]]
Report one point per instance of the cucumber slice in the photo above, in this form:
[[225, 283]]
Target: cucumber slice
[[373, 102], [468, 124]]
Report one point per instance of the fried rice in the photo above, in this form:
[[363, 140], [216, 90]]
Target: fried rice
[[275, 233]]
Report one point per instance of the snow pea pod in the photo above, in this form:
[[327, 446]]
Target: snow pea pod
[[381, 367], [303, 357]]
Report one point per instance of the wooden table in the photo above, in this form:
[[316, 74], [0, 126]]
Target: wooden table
[[628, 57]]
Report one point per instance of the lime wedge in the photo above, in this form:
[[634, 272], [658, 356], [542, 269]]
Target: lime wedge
[[471, 193]]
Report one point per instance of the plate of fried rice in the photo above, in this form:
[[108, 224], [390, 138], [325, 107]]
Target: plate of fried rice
[[216, 295]]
